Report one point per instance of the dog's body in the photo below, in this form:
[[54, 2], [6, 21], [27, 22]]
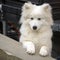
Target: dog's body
[[36, 28]]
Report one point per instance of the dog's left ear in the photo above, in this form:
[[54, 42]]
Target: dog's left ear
[[48, 10], [47, 7]]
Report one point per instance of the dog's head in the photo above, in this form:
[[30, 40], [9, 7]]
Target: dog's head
[[36, 16]]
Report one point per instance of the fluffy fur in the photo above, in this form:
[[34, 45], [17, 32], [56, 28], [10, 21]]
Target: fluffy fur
[[36, 29]]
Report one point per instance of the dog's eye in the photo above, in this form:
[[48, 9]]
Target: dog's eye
[[32, 18], [39, 18]]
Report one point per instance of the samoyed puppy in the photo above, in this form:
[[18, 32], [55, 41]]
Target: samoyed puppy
[[36, 29]]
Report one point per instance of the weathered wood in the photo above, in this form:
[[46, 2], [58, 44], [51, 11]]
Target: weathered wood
[[14, 47]]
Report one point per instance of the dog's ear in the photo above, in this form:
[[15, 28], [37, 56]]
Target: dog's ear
[[27, 6], [48, 10], [47, 7]]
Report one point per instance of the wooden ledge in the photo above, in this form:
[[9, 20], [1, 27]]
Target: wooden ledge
[[14, 47]]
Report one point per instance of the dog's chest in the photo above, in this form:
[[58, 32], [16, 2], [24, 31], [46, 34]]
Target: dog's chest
[[35, 37]]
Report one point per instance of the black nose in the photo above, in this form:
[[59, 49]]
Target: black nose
[[34, 27]]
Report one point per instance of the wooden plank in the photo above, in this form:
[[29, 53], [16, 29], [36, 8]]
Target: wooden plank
[[14, 47]]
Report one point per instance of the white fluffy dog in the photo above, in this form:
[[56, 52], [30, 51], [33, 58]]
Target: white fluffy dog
[[36, 29]]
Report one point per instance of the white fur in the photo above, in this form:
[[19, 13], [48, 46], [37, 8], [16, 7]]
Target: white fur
[[41, 37], [30, 47], [43, 51], [35, 23]]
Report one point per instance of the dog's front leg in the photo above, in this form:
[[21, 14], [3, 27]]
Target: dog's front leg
[[44, 51], [30, 47]]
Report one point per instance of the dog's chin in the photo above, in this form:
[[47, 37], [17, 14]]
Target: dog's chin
[[34, 30]]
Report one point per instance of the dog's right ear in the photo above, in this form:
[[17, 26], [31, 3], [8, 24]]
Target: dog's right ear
[[25, 11], [27, 6]]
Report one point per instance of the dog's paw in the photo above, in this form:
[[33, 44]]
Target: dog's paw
[[43, 51], [30, 50], [30, 47]]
